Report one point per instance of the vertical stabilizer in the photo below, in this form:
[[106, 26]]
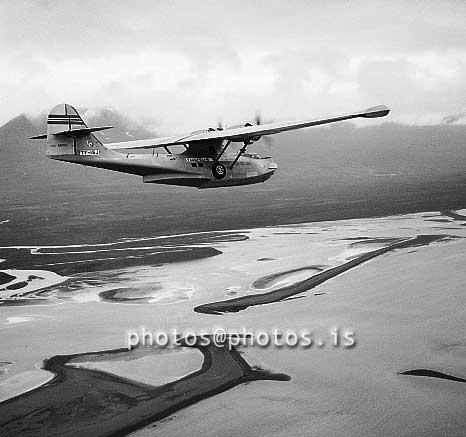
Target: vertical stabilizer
[[68, 134], [63, 117]]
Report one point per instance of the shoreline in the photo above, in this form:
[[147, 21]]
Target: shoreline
[[96, 402], [280, 294], [221, 227]]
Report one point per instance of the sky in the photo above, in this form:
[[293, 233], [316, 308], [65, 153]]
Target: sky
[[180, 65]]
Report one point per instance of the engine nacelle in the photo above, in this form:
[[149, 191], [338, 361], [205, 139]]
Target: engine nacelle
[[245, 139]]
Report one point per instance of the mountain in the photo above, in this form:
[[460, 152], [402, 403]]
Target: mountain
[[324, 173]]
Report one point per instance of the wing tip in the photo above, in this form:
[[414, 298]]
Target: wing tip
[[376, 111]]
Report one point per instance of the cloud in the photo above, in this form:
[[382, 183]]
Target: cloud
[[183, 65], [453, 118], [419, 89]]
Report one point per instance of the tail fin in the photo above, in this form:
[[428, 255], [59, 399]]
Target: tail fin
[[63, 117], [68, 134]]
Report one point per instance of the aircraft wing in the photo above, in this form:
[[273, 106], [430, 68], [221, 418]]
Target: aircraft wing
[[243, 133]]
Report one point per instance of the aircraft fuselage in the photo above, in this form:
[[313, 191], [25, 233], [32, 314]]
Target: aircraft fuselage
[[181, 169]]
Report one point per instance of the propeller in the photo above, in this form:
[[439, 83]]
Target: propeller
[[258, 120]]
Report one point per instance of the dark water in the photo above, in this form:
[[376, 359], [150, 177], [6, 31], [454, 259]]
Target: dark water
[[323, 174], [100, 214], [110, 213]]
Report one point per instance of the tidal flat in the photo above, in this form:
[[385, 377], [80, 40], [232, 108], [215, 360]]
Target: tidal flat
[[405, 306]]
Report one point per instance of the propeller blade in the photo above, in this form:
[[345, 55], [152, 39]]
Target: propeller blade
[[268, 141]]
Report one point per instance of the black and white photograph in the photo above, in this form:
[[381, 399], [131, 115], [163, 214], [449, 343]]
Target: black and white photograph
[[237, 218]]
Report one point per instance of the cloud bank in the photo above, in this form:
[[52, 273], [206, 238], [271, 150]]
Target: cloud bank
[[183, 65]]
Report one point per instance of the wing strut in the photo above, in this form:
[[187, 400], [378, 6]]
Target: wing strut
[[238, 156], [217, 159]]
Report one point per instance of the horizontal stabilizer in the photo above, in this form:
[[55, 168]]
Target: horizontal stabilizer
[[39, 137], [73, 132], [83, 131]]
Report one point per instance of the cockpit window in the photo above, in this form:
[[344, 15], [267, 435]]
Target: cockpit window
[[252, 155]]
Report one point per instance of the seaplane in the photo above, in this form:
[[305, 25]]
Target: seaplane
[[207, 159]]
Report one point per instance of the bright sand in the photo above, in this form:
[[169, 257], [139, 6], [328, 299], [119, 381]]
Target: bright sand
[[406, 308]]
